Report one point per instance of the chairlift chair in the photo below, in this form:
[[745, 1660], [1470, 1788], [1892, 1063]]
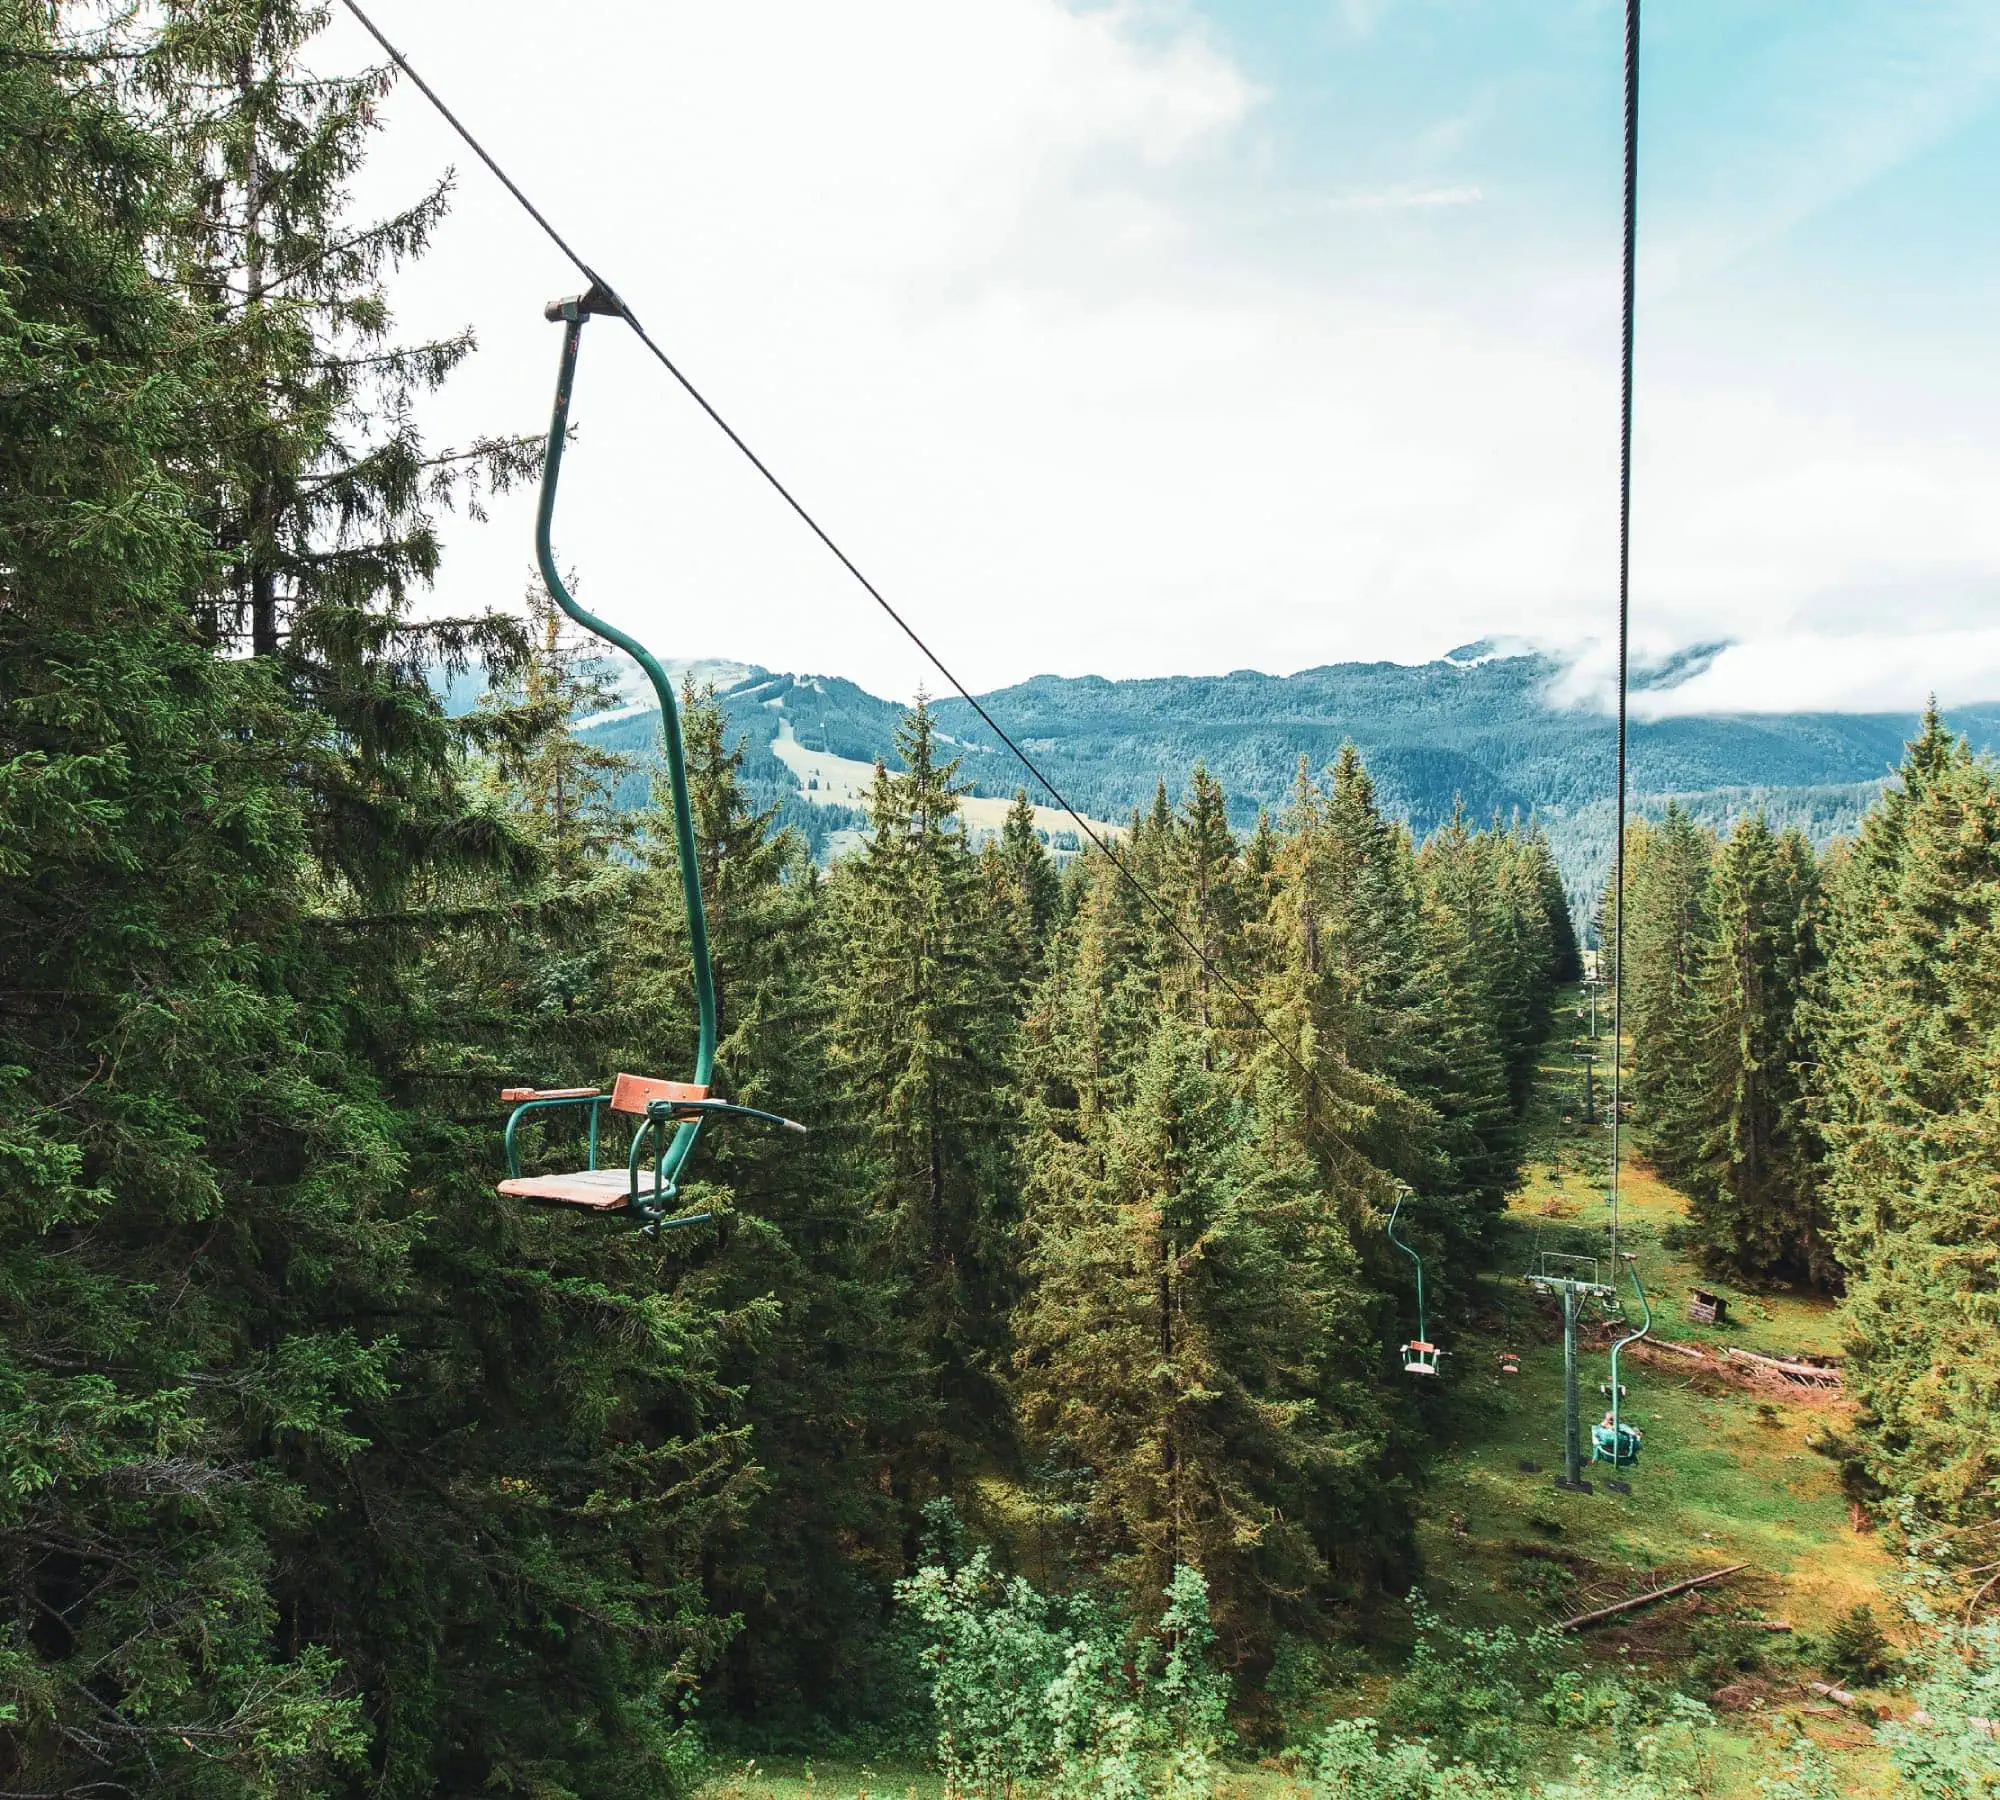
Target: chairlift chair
[[671, 1114], [1611, 1439], [1420, 1356]]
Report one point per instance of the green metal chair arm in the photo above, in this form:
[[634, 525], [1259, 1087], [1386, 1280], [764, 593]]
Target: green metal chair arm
[[590, 1097], [680, 1109]]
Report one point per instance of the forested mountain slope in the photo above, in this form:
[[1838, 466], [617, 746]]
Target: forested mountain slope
[[1470, 726]]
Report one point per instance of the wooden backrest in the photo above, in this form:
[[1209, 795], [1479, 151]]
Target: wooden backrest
[[634, 1093]]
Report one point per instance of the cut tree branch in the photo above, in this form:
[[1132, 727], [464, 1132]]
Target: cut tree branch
[[1672, 1588]]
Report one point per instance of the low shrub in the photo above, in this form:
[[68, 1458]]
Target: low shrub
[[1468, 1690], [1066, 1697]]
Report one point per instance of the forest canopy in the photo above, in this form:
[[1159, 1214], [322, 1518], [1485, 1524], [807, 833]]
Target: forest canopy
[[330, 1471]]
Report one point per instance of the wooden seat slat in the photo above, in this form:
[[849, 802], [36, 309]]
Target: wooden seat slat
[[599, 1190]]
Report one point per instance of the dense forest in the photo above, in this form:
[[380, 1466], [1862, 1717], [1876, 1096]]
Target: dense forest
[[1814, 1044], [1041, 1407]]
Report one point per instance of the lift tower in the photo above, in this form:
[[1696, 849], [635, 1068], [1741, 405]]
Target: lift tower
[[1574, 1281]]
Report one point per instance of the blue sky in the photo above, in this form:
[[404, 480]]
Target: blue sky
[[1155, 338]]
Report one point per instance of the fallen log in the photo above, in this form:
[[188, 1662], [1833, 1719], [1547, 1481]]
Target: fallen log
[[1812, 1374], [1691, 1351], [1664, 1593], [1839, 1696]]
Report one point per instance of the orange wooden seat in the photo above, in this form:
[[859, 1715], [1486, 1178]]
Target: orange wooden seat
[[634, 1093], [1420, 1358]]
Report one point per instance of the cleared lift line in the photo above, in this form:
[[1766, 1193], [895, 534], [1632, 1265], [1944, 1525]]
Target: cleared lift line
[[614, 303]]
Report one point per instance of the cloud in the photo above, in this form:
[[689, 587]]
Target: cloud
[[1867, 671], [1410, 198], [1007, 294]]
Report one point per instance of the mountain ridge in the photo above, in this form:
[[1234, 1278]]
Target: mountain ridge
[[1477, 728]]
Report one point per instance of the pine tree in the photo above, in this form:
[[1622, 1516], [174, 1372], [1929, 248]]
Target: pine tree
[[1484, 994], [1666, 898], [1751, 1173], [1194, 1335], [167, 1085], [1565, 954], [1202, 887], [319, 489], [375, 1423], [1908, 1073], [922, 1036], [1344, 984], [830, 1390], [560, 785], [1022, 893]]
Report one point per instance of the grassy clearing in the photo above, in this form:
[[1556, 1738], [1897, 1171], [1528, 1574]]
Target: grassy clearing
[[1726, 1474]]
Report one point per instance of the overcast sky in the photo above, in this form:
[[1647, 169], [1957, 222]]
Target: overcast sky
[[1145, 339]]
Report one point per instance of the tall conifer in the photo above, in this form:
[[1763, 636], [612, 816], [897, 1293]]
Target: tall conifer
[[1666, 901], [1909, 1070], [922, 1036], [1194, 1337], [1750, 1166]]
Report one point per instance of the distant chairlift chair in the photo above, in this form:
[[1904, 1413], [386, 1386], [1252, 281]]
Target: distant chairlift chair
[[1420, 1357], [1611, 1439]]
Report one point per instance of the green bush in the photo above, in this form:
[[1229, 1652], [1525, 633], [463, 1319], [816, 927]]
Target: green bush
[[1469, 1690], [1066, 1697], [1946, 1748], [1350, 1762]]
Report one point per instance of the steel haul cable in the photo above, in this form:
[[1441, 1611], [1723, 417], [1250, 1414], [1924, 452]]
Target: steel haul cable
[[1624, 592], [1249, 1008]]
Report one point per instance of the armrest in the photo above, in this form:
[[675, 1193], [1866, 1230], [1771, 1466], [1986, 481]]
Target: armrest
[[689, 1109], [538, 1099]]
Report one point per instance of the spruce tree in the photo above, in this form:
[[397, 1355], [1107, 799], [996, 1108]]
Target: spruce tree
[[830, 1390], [561, 786], [1565, 954], [1751, 1169], [1666, 899], [168, 1088], [1202, 886], [1022, 892], [318, 487], [1473, 946], [1344, 984], [1907, 1080], [1196, 1342], [376, 1421], [922, 1032]]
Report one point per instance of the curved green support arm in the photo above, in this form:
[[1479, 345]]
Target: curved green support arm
[[571, 314], [1423, 1334], [596, 1103], [1646, 1309]]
